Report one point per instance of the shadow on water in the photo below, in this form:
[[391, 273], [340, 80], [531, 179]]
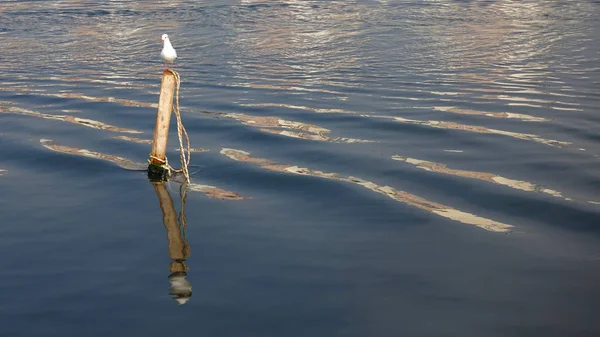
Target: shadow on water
[[176, 224], [179, 250]]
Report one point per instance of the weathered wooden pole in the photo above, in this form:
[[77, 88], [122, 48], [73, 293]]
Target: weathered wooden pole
[[179, 250], [158, 157]]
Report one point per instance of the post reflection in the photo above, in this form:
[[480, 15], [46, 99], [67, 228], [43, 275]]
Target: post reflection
[[179, 250]]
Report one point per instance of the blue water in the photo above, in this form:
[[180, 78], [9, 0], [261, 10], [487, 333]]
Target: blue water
[[422, 168]]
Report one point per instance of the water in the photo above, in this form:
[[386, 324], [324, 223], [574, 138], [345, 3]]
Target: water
[[362, 168]]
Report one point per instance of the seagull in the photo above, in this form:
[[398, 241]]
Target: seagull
[[168, 53]]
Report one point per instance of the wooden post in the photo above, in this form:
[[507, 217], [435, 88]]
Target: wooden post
[[161, 130], [179, 250]]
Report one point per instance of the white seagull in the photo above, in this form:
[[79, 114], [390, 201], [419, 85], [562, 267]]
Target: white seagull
[[168, 53]]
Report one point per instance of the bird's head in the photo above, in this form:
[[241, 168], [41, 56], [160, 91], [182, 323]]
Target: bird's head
[[164, 38]]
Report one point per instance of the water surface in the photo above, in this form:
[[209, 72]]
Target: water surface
[[361, 168]]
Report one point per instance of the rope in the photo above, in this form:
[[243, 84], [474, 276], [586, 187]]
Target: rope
[[184, 152], [182, 220], [158, 159]]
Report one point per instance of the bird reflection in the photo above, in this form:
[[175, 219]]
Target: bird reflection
[[179, 250]]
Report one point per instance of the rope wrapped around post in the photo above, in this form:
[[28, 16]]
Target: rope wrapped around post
[[159, 167]]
